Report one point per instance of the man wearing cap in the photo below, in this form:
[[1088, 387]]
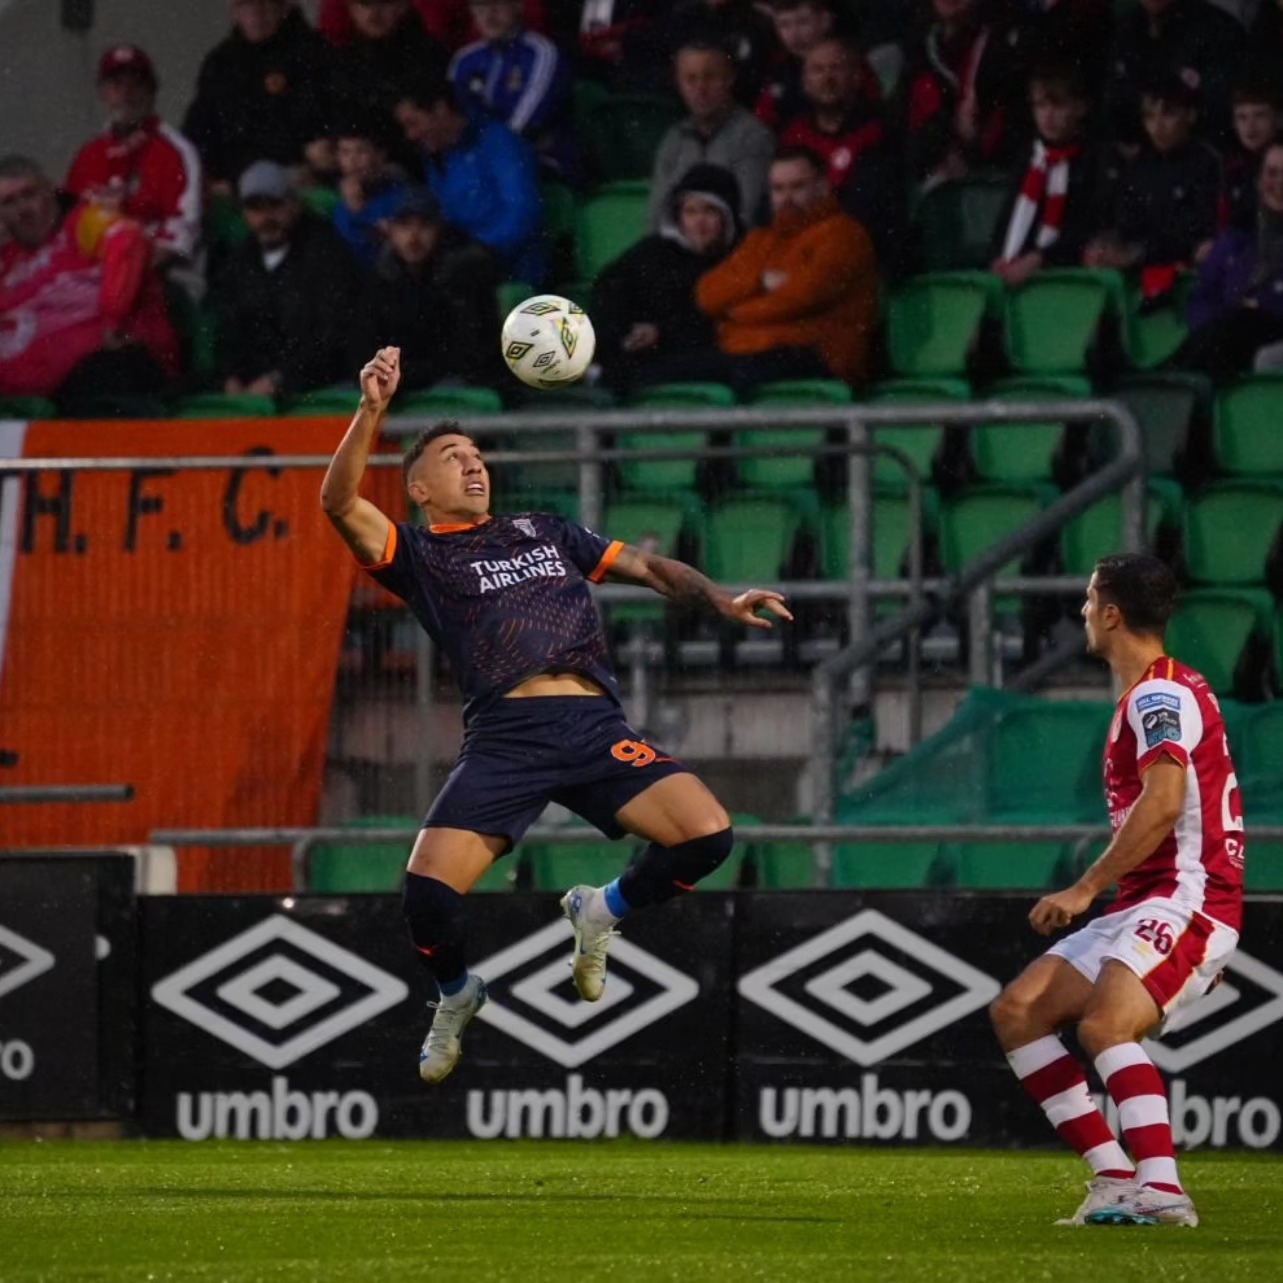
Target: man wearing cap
[[140, 166], [431, 293], [286, 294]]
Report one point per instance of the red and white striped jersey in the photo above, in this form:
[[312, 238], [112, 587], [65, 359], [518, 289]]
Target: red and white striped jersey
[[1171, 712]]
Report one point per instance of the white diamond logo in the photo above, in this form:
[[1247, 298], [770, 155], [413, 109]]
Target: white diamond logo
[[536, 990], [33, 961], [901, 988], [1223, 999], [248, 992]]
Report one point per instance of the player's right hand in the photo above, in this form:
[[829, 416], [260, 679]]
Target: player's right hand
[[380, 377]]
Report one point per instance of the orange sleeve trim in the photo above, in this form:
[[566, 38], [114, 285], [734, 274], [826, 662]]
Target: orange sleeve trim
[[389, 551], [1169, 748], [1171, 669], [608, 559], [453, 527]]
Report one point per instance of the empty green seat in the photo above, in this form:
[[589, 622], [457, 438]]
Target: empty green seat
[[221, 405], [609, 222], [978, 518], [624, 132], [449, 403], [920, 444], [803, 392], [1264, 869], [1247, 429], [792, 471], [1210, 630], [1051, 321], [1258, 750], [660, 476], [677, 396], [749, 539], [1099, 531], [324, 402], [1165, 405], [870, 866], [956, 222], [1025, 450], [891, 535], [27, 407], [933, 321], [1021, 745], [338, 868], [1151, 335], [1230, 530], [654, 525], [321, 201], [1011, 866], [557, 866]]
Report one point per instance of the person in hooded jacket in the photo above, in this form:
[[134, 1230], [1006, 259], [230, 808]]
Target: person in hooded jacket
[[643, 305]]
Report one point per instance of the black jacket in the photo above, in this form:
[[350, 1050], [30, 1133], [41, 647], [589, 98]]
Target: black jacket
[[1168, 204], [445, 320], [259, 101], [294, 319]]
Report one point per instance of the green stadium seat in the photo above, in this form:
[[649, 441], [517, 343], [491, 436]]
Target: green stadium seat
[[1152, 335], [1024, 741], [321, 201], [608, 222], [672, 476], [1230, 531], [1165, 405], [221, 405], [1211, 628], [542, 478], [509, 293], [933, 321], [1263, 871], [803, 392], [1011, 866], [324, 402], [1024, 451], [749, 539], [921, 444], [449, 403], [788, 472], [556, 866], [624, 131], [978, 518], [1099, 531], [1051, 321], [338, 868], [956, 223], [224, 224], [1246, 429], [891, 536], [870, 866], [685, 396], [27, 407], [1258, 753], [653, 524]]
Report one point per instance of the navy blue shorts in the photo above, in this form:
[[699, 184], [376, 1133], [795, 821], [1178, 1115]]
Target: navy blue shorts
[[521, 754]]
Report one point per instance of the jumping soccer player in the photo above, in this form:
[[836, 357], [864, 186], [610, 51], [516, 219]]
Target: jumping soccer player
[[507, 598], [1177, 858]]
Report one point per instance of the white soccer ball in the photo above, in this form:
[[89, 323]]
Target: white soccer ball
[[548, 341]]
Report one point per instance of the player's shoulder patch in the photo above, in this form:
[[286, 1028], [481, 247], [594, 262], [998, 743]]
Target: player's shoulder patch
[[1158, 699], [1160, 716]]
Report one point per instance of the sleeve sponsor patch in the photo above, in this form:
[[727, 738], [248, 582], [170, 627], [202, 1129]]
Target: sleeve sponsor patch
[[1158, 699], [1160, 723]]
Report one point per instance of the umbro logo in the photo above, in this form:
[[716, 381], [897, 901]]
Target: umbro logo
[[278, 991], [868, 988], [1249, 999], [533, 1000], [21, 960]]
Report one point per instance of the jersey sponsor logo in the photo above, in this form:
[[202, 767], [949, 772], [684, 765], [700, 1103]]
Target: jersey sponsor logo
[[526, 526], [21, 960], [829, 1005], [531, 999], [271, 991], [543, 562], [1160, 725]]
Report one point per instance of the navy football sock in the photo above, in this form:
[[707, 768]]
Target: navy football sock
[[434, 913], [662, 872]]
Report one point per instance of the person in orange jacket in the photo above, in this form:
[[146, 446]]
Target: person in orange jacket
[[798, 299]]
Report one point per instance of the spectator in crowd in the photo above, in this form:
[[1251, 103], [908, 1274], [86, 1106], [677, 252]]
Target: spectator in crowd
[[798, 299], [485, 177], [449, 22], [432, 294], [643, 304], [1237, 304], [718, 131], [521, 78], [261, 93], [1165, 217], [1161, 38], [1257, 123], [956, 86], [82, 315], [285, 299], [1062, 196], [388, 53], [841, 125], [140, 166], [369, 189], [737, 26], [800, 25]]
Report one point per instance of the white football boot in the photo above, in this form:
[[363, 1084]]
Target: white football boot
[[443, 1046], [592, 941], [1148, 1206], [1102, 1192]]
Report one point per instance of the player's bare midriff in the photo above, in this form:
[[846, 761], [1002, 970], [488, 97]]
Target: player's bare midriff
[[543, 685]]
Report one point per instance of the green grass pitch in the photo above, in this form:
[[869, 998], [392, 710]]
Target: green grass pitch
[[355, 1211]]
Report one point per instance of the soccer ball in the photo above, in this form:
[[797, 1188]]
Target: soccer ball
[[548, 341]]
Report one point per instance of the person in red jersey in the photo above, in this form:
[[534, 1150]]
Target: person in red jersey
[[140, 165], [1177, 859]]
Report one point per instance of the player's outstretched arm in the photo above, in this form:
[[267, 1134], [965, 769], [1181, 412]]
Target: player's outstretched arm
[[679, 582], [363, 527]]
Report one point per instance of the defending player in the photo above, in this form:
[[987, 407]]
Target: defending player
[[1177, 858], [507, 598]]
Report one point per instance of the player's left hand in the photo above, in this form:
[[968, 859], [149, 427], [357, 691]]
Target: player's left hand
[[1053, 912], [743, 609]]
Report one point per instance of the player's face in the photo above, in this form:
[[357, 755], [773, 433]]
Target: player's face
[[1099, 620], [450, 479]]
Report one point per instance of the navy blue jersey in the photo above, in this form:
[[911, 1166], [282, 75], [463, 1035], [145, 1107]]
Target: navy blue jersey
[[505, 599]]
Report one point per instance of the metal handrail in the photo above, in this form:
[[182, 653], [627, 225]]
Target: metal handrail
[[13, 794]]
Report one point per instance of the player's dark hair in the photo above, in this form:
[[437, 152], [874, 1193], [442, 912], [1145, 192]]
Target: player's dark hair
[[446, 428], [1142, 587], [807, 154]]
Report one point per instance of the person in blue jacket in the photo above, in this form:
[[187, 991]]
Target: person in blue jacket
[[484, 176]]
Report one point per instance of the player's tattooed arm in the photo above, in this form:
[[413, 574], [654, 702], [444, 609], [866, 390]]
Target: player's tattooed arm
[[682, 583], [363, 527]]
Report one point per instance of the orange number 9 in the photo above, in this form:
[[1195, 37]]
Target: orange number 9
[[633, 751]]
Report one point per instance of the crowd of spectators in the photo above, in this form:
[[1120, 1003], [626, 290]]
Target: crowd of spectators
[[1138, 137]]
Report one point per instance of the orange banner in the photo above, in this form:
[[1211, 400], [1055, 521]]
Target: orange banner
[[177, 631]]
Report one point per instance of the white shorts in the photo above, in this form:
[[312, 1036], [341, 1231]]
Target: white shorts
[[1176, 953]]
